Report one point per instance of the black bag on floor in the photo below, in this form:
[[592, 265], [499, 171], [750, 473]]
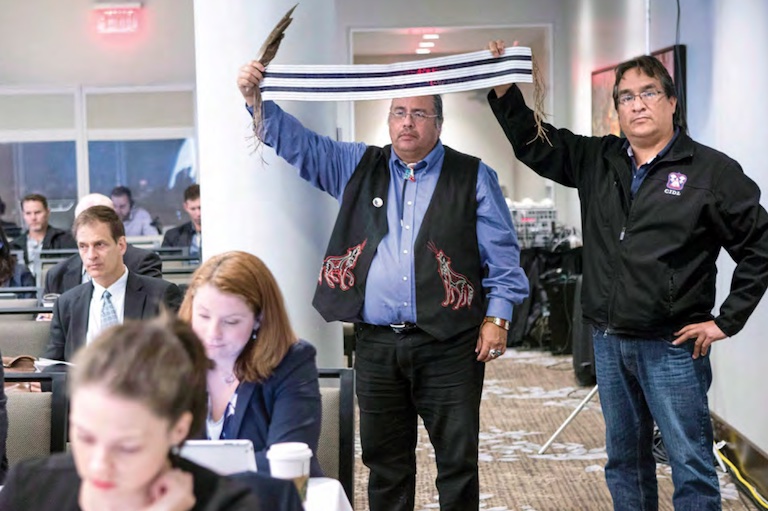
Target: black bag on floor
[[583, 351]]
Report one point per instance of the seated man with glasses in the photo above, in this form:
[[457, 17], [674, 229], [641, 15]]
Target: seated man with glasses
[[656, 208], [424, 259]]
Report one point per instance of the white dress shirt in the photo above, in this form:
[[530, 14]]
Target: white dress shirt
[[117, 290]]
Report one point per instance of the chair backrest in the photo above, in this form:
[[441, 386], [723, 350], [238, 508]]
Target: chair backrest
[[20, 309], [179, 262], [336, 449], [37, 421], [146, 242], [16, 293], [24, 337], [18, 303], [179, 276], [42, 266]]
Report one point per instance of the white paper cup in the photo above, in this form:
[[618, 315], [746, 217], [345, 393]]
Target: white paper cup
[[49, 299], [290, 460]]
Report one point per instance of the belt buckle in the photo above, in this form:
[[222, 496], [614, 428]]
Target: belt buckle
[[402, 328]]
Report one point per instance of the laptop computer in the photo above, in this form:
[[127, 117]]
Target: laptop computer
[[224, 457]]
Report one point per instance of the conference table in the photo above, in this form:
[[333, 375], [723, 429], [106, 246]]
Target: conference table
[[326, 494]]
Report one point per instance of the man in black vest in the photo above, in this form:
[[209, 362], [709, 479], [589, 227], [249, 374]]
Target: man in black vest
[[425, 261]]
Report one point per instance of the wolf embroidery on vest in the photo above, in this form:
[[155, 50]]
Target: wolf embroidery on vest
[[458, 290], [338, 269]]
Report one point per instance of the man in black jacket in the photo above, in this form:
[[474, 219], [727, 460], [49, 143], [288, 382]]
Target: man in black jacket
[[656, 209], [188, 234], [39, 234], [70, 272]]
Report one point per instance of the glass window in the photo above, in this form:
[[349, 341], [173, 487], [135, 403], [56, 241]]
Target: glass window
[[156, 171], [47, 168]]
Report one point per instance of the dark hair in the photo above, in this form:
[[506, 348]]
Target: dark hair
[[192, 192], [34, 197], [159, 362], [247, 277], [101, 215], [122, 191], [437, 103], [652, 67], [7, 260]]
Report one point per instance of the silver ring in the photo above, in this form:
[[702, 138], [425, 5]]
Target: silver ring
[[495, 353]]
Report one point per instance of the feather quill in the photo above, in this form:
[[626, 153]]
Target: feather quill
[[267, 52]]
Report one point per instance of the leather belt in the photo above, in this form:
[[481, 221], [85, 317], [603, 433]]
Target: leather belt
[[404, 328]]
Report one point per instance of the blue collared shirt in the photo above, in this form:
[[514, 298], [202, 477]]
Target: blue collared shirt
[[639, 174], [390, 289]]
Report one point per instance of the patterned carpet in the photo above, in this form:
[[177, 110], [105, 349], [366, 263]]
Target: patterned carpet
[[527, 396]]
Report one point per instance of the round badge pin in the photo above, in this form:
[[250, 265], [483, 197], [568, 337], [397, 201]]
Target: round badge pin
[[377, 202]]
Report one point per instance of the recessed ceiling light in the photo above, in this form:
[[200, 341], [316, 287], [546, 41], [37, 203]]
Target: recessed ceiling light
[[427, 44], [430, 36], [423, 51]]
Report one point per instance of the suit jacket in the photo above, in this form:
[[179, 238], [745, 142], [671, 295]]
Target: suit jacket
[[52, 484], [21, 277], [54, 238], [69, 326], [180, 236], [68, 274], [286, 407]]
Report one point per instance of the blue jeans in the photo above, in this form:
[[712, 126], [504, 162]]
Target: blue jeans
[[642, 380]]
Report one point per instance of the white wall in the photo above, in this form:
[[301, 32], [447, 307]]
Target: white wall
[[737, 117], [726, 70], [54, 42]]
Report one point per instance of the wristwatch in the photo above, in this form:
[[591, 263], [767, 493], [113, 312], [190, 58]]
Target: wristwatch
[[503, 323]]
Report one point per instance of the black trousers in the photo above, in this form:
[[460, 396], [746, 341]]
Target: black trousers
[[400, 377]]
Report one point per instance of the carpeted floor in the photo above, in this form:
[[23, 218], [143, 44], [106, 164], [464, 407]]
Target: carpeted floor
[[527, 396]]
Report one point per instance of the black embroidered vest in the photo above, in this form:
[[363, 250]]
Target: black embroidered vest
[[448, 271]]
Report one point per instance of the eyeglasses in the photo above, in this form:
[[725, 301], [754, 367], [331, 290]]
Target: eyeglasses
[[417, 116], [647, 97]]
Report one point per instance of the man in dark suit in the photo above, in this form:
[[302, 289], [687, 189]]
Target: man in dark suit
[[39, 234], [190, 233], [112, 295], [70, 273]]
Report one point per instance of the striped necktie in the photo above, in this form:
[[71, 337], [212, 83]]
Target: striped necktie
[[108, 314]]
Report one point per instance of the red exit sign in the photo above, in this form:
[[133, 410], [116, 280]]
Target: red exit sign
[[117, 19]]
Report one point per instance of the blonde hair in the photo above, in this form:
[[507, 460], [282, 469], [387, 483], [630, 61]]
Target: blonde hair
[[247, 277]]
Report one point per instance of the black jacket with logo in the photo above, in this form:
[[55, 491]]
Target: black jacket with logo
[[649, 262]]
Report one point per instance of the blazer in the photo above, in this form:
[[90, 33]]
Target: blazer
[[180, 236], [52, 484], [68, 274], [54, 238], [21, 277], [286, 407], [69, 326]]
